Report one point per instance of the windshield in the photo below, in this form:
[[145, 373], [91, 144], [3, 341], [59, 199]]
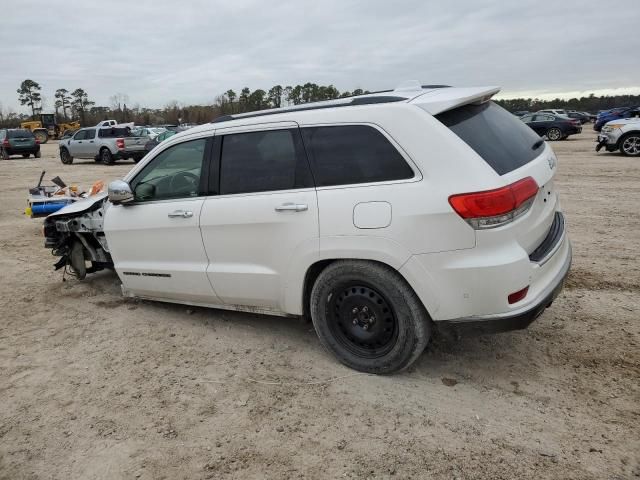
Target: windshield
[[502, 140]]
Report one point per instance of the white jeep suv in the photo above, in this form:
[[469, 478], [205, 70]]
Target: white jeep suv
[[379, 216]]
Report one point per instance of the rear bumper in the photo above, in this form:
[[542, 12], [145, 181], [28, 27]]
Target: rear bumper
[[17, 149], [517, 320]]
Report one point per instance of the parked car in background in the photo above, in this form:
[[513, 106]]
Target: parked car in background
[[151, 144], [581, 117], [554, 111], [68, 134], [521, 113], [346, 213], [615, 113], [149, 132], [554, 127], [18, 141], [107, 123], [623, 135], [104, 145]]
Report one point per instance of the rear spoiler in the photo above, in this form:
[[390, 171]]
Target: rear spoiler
[[443, 99]]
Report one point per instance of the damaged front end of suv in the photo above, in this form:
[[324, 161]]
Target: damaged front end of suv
[[76, 235]]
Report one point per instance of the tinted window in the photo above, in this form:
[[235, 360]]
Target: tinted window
[[174, 173], [527, 118], [79, 135], [263, 161], [19, 134], [503, 141], [349, 154], [113, 132]]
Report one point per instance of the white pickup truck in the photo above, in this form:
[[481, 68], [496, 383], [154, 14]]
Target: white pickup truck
[[105, 145]]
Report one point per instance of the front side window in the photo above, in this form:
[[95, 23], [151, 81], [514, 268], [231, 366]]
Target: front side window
[[263, 161], [351, 154], [79, 135], [174, 173]]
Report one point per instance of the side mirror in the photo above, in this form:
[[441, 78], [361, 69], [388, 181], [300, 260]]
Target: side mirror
[[120, 192]]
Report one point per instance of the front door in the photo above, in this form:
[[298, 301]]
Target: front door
[[155, 241], [263, 223]]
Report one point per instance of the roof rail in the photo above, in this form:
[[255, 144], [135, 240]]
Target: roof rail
[[359, 100]]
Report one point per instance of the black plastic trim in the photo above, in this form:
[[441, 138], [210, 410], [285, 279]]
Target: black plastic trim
[[551, 240]]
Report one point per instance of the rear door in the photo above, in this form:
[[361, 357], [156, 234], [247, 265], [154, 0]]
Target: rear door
[[155, 242], [263, 220]]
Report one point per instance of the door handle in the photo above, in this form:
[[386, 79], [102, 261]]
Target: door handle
[[181, 214], [292, 207]]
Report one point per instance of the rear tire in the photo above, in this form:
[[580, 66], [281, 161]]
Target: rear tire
[[554, 134], [630, 144], [106, 157], [368, 316], [65, 157]]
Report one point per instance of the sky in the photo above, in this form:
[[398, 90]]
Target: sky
[[190, 51]]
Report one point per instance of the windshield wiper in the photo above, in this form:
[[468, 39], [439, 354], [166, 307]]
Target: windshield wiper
[[537, 144]]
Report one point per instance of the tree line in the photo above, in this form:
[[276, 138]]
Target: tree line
[[590, 103], [76, 104]]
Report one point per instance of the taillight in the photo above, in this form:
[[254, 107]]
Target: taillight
[[120, 143], [5, 143], [493, 208]]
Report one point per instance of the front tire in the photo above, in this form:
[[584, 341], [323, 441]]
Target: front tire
[[368, 316], [65, 157], [630, 144], [554, 134], [106, 157]]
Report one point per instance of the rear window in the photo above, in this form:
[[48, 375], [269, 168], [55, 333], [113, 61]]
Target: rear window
[[113, 132], [502, 140], [19, 134]]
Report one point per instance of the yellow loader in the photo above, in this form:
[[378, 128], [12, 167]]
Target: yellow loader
[[47, 127]]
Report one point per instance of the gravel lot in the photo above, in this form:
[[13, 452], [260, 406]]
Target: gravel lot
[[94, 386]]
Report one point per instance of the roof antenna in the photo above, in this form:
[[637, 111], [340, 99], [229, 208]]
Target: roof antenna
[[408, 86]]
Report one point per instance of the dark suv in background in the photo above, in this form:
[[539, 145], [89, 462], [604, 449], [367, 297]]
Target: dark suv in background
[[18, 142]]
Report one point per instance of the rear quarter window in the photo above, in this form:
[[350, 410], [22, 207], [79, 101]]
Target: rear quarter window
[[502, 140], [351, 154], [114, 132]]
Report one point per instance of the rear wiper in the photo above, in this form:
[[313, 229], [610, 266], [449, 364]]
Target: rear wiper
[[537, 144]]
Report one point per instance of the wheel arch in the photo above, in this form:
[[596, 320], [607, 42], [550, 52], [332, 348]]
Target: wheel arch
[[314, 270]]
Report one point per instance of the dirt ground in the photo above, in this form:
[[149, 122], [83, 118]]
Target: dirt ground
[[93, 386]]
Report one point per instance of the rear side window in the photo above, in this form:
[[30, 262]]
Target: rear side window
[[263, 161], [118, 132], [20, 134], [503, 141], [350, 154]]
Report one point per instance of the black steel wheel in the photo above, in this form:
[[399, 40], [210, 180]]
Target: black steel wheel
[[367, 315], [362, 320]]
